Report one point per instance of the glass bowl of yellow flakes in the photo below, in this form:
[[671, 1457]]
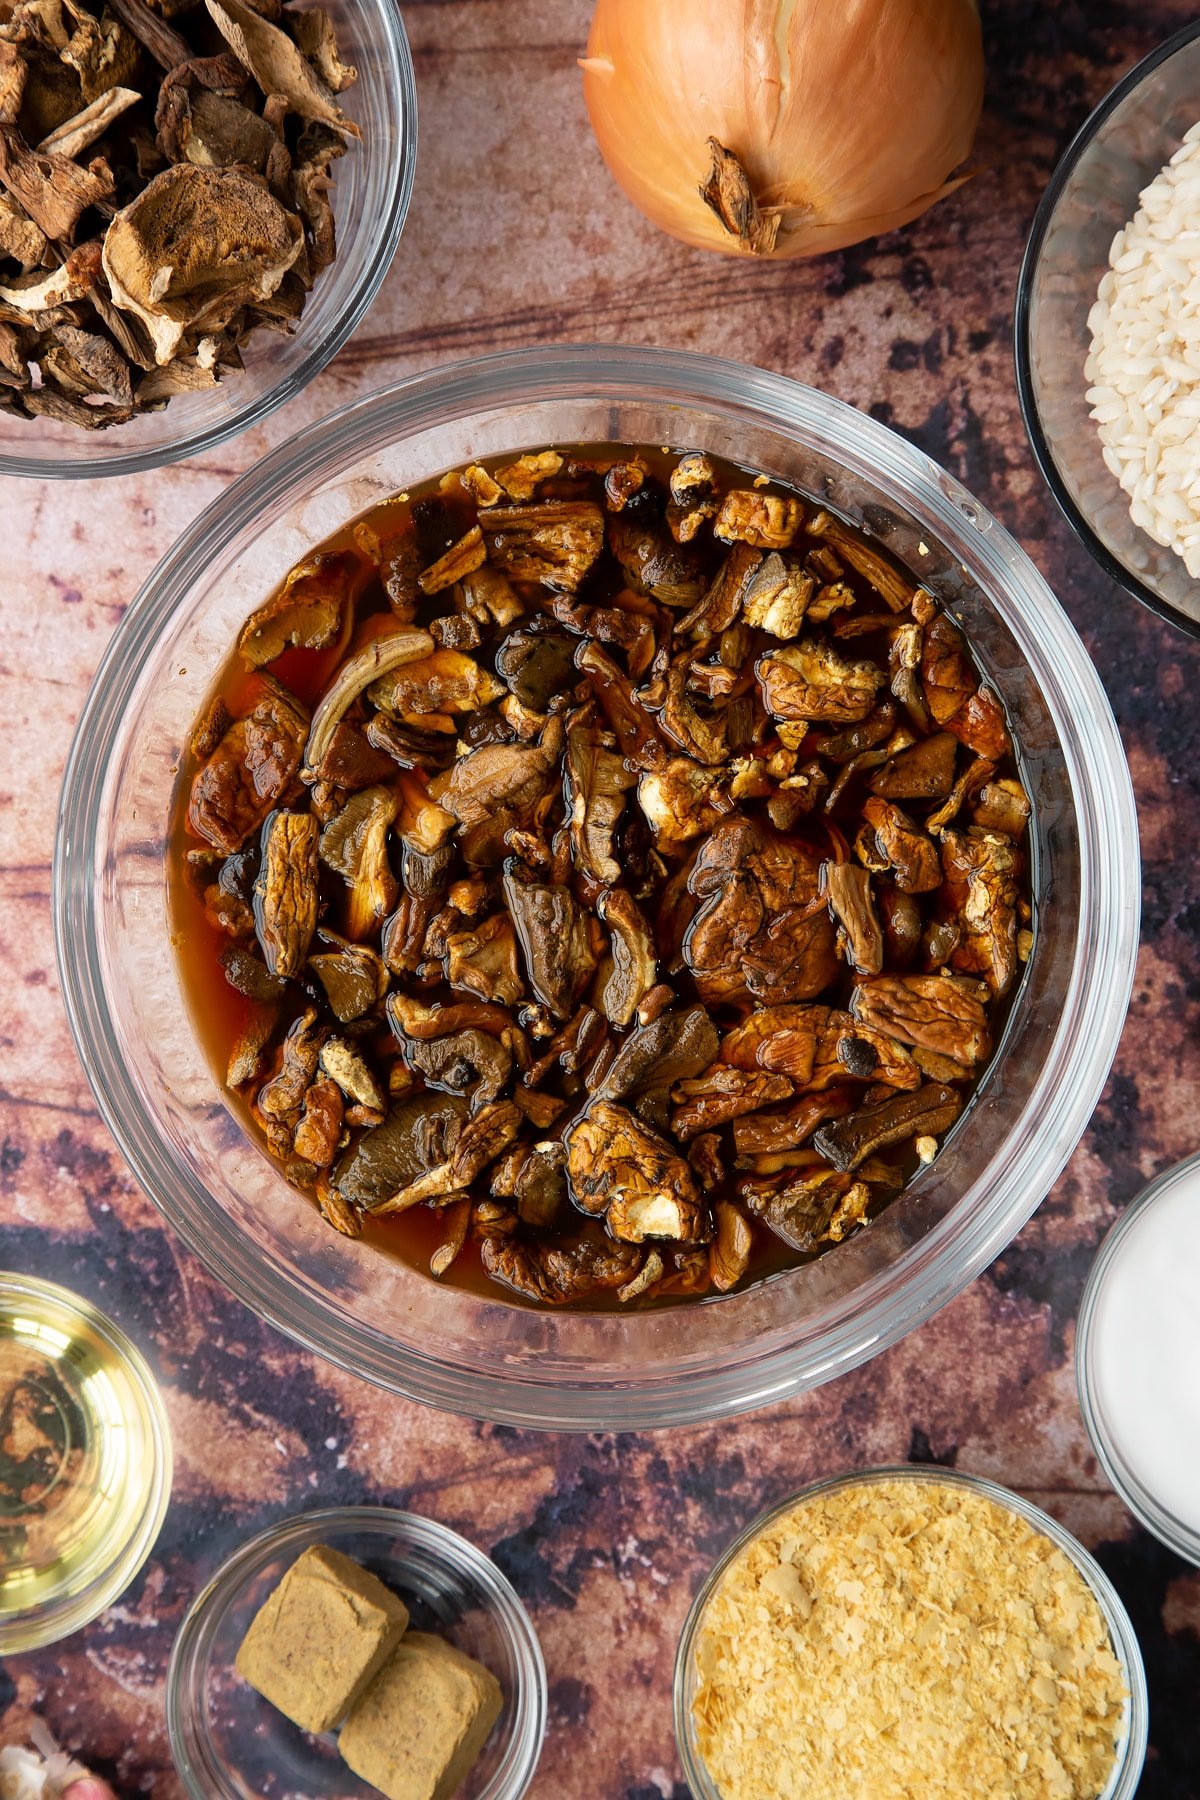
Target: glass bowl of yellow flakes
[[904, 1631]]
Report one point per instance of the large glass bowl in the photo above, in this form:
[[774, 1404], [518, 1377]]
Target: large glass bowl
[[1094, 192], [370, 1313], [372, 186]]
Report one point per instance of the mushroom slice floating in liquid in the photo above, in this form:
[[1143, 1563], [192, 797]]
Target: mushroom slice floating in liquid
[[771, 1133], [653, 563], [848, 1050], [980, 726], [284, 1094], [809, 680], [555, 1275], [353, 975], [812, 1210], [619, 1167], [320, 1128], [942, 1013], [924, 771], [597, 781], [910, 852], [780, 1038], [445, 681], [253, 768], [309, 609], [354, 845], [554, 542], [536, 664], [766, 521], [417, 1134], [981, 870], [676, 799], [847, 887], [287, 896], [875, 568], [926, 1112], [729, 1252], [947, 678], [377, 658], [346, 1065], [723, 1093], [778, 597], [673, 1047], [483, 961], [1002, 806], [761, 933], [555, 938], [499, 775], [631, 948], [470, 1062], [703, 738]]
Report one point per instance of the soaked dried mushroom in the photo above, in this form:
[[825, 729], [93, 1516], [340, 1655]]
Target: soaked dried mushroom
[[589, 924], [164, 194]]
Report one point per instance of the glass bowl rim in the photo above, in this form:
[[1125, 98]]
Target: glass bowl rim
[[1022, 322], [387, 230], [1127, 1769], [61, 1615], [190, 1651], [1101, 974], [1158, 1519]]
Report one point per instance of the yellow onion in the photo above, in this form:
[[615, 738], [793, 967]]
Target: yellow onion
[[784, 127]]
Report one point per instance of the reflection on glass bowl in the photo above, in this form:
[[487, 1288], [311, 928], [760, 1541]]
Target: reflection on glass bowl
[[474, 1353]]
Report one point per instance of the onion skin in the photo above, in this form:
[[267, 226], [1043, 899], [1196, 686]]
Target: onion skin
[[848, 116]]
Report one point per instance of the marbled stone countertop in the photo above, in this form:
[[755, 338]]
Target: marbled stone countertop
[[606, 1537]]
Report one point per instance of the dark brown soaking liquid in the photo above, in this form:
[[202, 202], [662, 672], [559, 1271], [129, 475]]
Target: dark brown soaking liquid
[[220, 1012]]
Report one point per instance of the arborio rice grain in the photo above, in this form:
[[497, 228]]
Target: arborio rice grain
[[1143, 369], [901, 1638]]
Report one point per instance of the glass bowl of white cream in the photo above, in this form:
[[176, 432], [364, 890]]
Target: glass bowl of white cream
[[1137, 1353]]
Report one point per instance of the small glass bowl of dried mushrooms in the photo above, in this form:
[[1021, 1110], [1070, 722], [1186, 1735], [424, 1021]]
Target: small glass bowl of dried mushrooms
[[481, 1346], [909, 1629], [229, 1742], [198, 203]]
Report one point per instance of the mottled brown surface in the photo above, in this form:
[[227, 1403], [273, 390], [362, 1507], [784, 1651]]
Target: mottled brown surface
[[606, 1537]]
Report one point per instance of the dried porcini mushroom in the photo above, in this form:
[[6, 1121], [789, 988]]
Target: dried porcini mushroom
[[309, 609], [253, 768], [194, 246], [288, 893], [159, 203], [278, 65], [607, 910]]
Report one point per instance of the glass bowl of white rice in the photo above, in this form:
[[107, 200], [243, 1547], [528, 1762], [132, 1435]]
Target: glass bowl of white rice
[[1108, 332]]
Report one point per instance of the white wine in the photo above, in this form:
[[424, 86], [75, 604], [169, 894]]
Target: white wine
[[85, 1462]]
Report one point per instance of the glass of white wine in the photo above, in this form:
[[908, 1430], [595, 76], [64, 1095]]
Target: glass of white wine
[[85, 1462]]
